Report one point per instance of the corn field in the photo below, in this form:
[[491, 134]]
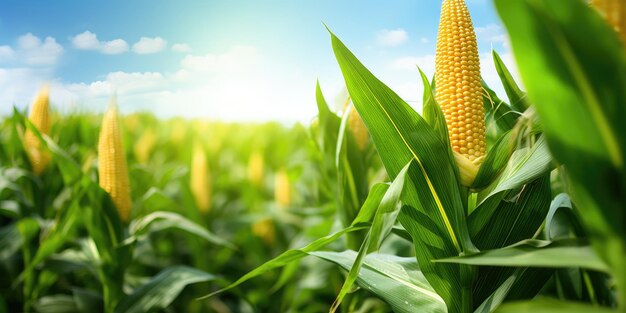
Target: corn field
[[478, 202]]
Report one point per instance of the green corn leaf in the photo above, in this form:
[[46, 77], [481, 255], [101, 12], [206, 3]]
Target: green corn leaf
[[161, 290], [397, 280], [537, 253], [433, 212], [545, 305], [516, 96]]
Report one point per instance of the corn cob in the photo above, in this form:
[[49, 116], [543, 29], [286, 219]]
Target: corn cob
[[265, 229], [200, 179], [144, 146], [112, 168], [40, 118], [255, 168], [282, 189], [356, 126], [459, 90], [614, 11]]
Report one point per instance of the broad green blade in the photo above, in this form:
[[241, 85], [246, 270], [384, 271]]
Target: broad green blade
[[517, 217], [158, 221], [161, 290], [384, 220], [495, 161], [574, 68], [497, 110], [396, 280], [56, 304], [433, 212], [545, 305], [14, 235], [290, 256], [516, 96], [537, 253]]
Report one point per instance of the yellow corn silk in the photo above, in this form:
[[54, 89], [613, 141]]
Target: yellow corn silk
[[265, 230], [282, 189], [200, 179], [255, 168], [459, 89], [614, 12], [38, 156], [112, 168]]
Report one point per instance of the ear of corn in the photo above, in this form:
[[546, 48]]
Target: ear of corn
[[265, 229], [356, 126], [40, 117], [282, 189], [145, 144], [459, 90], [255, 168], [200, 179], [112, 168], [614, 11]]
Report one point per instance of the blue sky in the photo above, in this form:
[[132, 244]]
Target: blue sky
[[230, 60]]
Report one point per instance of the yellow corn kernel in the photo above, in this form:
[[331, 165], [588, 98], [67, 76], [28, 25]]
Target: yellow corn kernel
[[265, 230], [40, 117], [112, 168], [457, 77], [614, 11], [200, 179], [282, 189], [145, 144], [255, 168], [356, 126]]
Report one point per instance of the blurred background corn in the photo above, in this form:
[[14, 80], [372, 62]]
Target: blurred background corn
[[614, 11], [265, 229], [282, 189], [145, 144], [255, 168], [356, 126], [112, 169], [459, 89], [40, 118], [200, 179]]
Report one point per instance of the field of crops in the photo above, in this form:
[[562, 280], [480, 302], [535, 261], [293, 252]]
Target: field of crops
[[480, 202]]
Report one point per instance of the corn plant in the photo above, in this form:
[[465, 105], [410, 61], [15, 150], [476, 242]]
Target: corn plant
[[476, 200]]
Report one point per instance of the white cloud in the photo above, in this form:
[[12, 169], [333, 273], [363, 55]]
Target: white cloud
[[147, 45], [89, 41], [35, 52], [86, 41], [424, 40], [181, 47], [19, 85], [6, 53], [238, 58], [225, 85], [392, 37], [115, 46], [493, 34]]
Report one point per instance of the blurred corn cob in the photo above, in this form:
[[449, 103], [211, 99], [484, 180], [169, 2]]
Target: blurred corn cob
[[265, 230], [282, 189], [145, 144], [200, 179], [179, 131], [459, 89], [356, 126], [112, 168], [40, 118], [255, 168], [614, 11]]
